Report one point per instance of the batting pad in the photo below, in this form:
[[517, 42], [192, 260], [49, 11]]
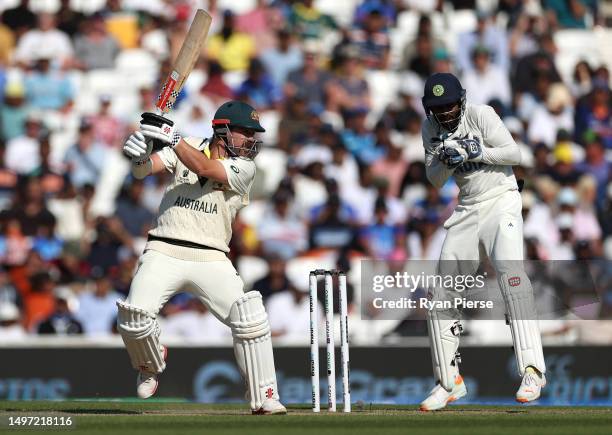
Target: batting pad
[[140, 332], [444, 342], [522, 317], [253, 347]]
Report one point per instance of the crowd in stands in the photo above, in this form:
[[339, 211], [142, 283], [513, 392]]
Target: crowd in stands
[[341, 176]]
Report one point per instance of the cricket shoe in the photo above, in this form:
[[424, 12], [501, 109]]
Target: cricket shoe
[[439, 397], [146, 382], [531, 386], [270, 407]]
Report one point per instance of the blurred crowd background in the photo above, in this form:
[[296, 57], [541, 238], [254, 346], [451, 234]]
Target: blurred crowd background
[[341, 176]]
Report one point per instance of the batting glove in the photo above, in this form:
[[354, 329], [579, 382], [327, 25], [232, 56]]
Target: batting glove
[[137, 147], [159, 128]]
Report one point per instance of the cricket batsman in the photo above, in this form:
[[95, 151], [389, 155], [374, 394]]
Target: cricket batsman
[[471, 143], [188, 245]]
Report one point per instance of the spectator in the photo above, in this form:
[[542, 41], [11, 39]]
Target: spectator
[[425, 241], [565, 248], [39, 302], [585, 225], [524, 35], [596, 165], [122, 24], [288, 310], [67, 208], [61, 321], [358, 139], [488, 34], [379, 238], [14, 246], [233, 50], [7, 44], [195, 117], [259, 89], [581, 79], [215, 87], [85, 160], [485, 81], [69, 20], [386, 8], [571, 14], [261, 22], [275, 280], [29, 208], [20, 19], [133, 215], [293, 127], [45, 41], [343, 166], [308, 21], [97, 309], [331, 229], [110, 236], [594, 114], [281, 231], [541, 64], [47, 89], [195, 324], [372, 40], [22, 152], [424, 30], [557, 115], [94, 47], [14, 111], [282, 59], [391, 167], [10, 323], [310, 82], [108, 129], [421, 62]]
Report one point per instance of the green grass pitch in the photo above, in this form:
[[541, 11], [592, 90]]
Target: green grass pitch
[[139, 417]]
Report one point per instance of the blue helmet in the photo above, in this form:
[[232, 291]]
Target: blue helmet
[[443, 89]]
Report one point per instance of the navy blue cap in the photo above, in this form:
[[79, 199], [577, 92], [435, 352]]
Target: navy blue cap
[[442, 89]]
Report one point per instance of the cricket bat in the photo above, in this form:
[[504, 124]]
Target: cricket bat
[[183, 64], [185, 61]]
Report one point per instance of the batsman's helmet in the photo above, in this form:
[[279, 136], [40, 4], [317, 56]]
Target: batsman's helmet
[[237, 114], [443, 89]]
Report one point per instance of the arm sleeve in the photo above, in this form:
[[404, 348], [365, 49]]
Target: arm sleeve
[[240, 174], [168, 158], [436, 171], [501, 149]]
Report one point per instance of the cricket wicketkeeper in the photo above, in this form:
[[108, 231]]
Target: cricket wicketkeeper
[[188, 245], [471, 143]]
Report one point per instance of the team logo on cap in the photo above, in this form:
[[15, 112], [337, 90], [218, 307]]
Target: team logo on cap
[[255, 115], [438, 90]]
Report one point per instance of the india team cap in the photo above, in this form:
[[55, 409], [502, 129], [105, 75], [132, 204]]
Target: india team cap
[[442, 89]]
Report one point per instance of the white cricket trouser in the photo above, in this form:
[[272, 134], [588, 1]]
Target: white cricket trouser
[[159, 276], [494, 227]]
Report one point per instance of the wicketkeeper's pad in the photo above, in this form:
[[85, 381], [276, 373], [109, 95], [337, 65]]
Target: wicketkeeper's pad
[[522, 318], [444, 341]]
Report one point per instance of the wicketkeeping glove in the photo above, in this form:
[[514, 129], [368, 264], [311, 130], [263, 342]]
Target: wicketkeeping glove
[[452, 157], [137, 147], [159, 128], [471, 146]]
